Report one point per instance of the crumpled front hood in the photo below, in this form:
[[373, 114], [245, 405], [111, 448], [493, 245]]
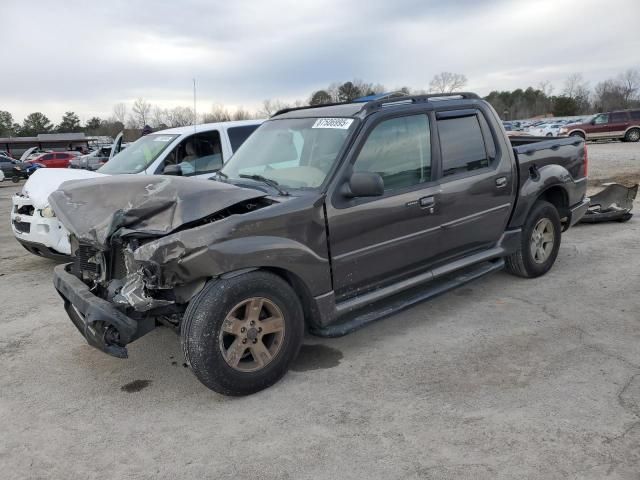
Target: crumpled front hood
[[97, 209]]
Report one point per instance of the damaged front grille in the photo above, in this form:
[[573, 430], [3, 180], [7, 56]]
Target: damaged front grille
[[118, 268], [86, 263]]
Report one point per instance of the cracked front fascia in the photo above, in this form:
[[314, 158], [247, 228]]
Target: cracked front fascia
[[133, 292]]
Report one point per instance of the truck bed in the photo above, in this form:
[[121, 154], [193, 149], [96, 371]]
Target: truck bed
[[541, 151]]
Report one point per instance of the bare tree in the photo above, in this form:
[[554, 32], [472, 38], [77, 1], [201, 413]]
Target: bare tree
[[546, 88], [575, 86], [140, 112], [609, 95], [242, 114], [180, 117], [158, 117], [629, 83], [447, 82], [269, 107], [120, 112], [219, 113], [577, 89]]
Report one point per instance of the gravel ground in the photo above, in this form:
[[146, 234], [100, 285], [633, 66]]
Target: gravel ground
[[504, 378], [614, 161]]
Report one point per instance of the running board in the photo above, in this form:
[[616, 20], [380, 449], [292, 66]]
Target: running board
[[439, 286]]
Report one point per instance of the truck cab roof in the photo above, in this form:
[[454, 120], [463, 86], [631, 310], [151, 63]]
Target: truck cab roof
[[363, 109]]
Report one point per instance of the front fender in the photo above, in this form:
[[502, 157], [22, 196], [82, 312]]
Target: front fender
[[174, 262]]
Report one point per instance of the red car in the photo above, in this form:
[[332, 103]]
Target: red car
[[54, 159], [623, 125]]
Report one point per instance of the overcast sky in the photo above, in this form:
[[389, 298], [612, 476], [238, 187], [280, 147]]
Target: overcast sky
[[88, 55]]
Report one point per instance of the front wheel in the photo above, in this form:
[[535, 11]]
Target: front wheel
[[540, 242], [241, 334]]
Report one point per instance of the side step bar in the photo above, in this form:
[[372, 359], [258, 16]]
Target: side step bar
[[396, 305]]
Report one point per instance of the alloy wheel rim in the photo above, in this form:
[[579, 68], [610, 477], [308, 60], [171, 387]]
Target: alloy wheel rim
[[542, 240], [635, 135], [252, 334]]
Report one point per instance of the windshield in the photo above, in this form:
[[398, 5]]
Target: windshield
[[138, 156], [296, 153]]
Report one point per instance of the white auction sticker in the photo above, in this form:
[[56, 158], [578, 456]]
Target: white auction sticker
[[342, 123]]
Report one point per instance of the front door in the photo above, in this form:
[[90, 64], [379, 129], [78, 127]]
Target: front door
[[378, 240]]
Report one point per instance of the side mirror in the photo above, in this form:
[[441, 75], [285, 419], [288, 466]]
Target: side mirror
[[172, 170], [364, 184]]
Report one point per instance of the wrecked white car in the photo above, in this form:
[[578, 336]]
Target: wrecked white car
[[186, 151]]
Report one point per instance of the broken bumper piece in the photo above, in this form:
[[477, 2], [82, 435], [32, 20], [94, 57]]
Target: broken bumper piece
[[614, 203], [100, 322]]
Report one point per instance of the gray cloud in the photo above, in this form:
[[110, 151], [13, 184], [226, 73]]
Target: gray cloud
[[86, 56]]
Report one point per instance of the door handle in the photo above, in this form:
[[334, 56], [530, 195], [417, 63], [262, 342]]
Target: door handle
[[501, 182], [428, 203]]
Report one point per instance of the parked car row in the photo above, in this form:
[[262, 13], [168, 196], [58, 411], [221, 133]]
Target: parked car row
[[620, 125]]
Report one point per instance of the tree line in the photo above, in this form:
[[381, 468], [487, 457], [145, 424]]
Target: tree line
[[575, 98]]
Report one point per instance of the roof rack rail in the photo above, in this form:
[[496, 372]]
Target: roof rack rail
[[390, 102], [307, 107]]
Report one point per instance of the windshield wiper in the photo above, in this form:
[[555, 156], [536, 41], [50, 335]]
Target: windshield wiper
[[221, 174], [268, 181]]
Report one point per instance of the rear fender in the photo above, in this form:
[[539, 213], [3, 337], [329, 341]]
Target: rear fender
[[550, 180]]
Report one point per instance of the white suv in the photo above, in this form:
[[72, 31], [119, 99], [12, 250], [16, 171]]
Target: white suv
[[196, 150]]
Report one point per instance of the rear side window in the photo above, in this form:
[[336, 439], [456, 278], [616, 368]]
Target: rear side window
[[462, 145], [399, 150], [237, 135], [619, 117], [635, 115]]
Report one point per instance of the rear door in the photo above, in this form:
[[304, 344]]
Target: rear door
[[378, 240], [477, 184], [48, 160], [618, 124], [61, 160]]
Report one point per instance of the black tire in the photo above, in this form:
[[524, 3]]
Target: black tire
[[577, 134], [632, 135], [522, 262], [203, 321], [625, 218]]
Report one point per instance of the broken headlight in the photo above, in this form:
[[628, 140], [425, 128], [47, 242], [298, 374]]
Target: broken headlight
[[47, 212]]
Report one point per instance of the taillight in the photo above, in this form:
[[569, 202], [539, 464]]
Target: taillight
[[586, 160]]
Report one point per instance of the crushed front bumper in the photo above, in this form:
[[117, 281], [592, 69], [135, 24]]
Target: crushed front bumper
[[100, 322]]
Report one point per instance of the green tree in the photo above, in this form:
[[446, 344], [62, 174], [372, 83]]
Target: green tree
[[93, 124], [320, 98], [34, 124], [564, 106], [6, 124], [70, 123], [348, 92]]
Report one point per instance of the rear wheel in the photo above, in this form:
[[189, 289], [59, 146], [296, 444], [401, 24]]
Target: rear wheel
[[241, 334], [540, 242], [632, 135]]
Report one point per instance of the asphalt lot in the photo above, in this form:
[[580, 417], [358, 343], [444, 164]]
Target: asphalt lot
[[503, 378]]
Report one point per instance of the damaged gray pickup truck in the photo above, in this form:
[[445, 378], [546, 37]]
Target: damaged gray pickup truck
[[326, 219]]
